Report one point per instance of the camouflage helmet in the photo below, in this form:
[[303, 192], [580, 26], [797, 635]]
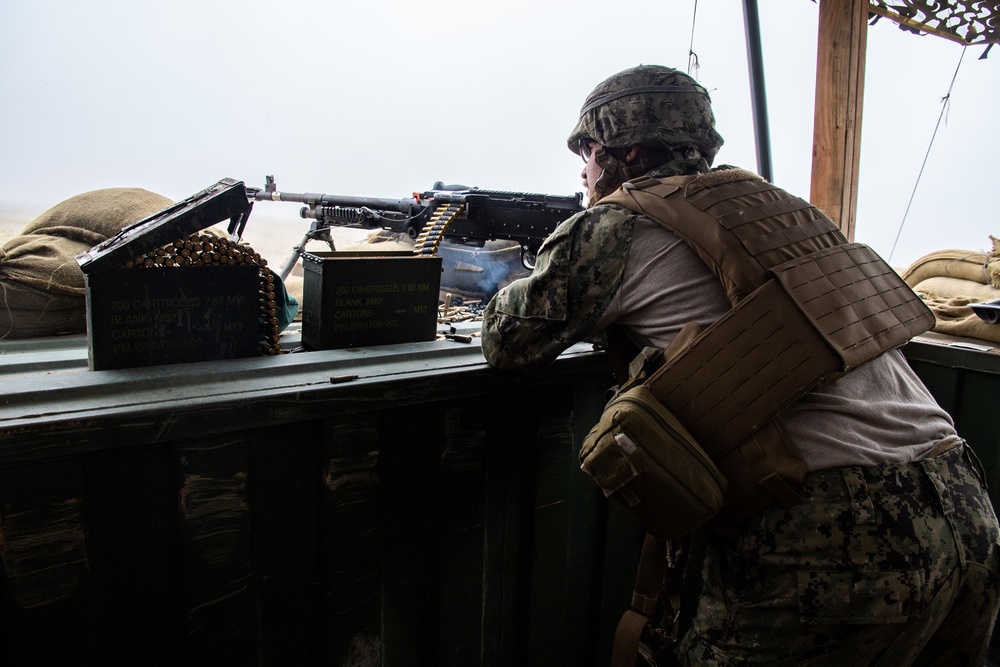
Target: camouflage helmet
[[650, 105]]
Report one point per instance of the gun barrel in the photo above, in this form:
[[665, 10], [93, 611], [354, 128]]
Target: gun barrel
[[408, 206]]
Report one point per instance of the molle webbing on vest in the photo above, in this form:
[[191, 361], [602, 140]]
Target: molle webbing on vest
[[855, 300], [753, 362], [780, 238], [807, 307], [748, 232], [772, 225]]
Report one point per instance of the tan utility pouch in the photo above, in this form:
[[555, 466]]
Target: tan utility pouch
[[641, 456]]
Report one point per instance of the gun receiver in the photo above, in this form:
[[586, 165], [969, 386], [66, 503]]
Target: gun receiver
[[456, 212]]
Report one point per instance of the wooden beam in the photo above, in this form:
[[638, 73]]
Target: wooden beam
[[840, 82]]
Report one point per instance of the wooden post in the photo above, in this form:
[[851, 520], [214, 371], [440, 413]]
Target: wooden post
[[840, 81]]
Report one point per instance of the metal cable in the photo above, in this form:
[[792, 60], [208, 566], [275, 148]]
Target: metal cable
[[944, 106], [692, 56]]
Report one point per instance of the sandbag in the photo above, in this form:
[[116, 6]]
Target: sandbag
[[945, 288], [955, 318], [949, 299], [103, 212], [949, 281], [963, 264], [993, 263], [41, 285]]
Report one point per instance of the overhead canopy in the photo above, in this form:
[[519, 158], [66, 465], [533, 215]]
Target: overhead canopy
[[963, 21]]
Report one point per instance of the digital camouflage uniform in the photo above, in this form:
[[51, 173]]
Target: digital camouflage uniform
[[577, 271], [892, 565], [883, 565]]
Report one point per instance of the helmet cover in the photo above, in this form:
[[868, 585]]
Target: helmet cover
[[650, 105]]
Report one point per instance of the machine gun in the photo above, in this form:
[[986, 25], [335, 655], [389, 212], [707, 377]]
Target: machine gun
[[456, 212]]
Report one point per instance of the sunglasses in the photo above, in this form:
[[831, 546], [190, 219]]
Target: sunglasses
[[586, 148]]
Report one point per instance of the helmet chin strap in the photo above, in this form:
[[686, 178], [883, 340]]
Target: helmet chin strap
[[614, 172], [611, 175], [680, 161]]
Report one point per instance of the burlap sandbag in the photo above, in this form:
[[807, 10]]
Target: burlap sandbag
[[949, 299], [950, 280], [41, 285], [955, 317], [962, 264], [946, 288], [993, 263]]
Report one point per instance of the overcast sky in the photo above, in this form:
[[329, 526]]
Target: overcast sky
[[381, 98]]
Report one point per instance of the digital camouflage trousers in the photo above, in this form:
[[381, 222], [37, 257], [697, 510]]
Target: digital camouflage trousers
[[886, 565]]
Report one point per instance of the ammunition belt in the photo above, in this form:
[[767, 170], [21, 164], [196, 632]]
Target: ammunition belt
[[204, 249], [430, 236]]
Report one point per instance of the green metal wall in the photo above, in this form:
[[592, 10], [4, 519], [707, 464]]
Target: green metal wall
[[431, 512], [421, 509], [966, 383]]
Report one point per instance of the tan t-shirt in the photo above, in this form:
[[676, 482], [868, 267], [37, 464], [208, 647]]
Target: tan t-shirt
[[878, 413]]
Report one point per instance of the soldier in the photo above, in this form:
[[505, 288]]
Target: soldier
[[883, 550]]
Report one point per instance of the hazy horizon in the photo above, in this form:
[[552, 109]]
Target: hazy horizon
[[384, 98]]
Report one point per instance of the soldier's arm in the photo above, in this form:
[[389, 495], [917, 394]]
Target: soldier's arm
[[578, 270]]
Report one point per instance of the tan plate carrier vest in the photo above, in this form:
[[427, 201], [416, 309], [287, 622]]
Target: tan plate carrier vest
[[807, 306]]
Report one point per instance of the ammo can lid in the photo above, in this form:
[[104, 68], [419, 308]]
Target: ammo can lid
[[226, 200], [319, 257]]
